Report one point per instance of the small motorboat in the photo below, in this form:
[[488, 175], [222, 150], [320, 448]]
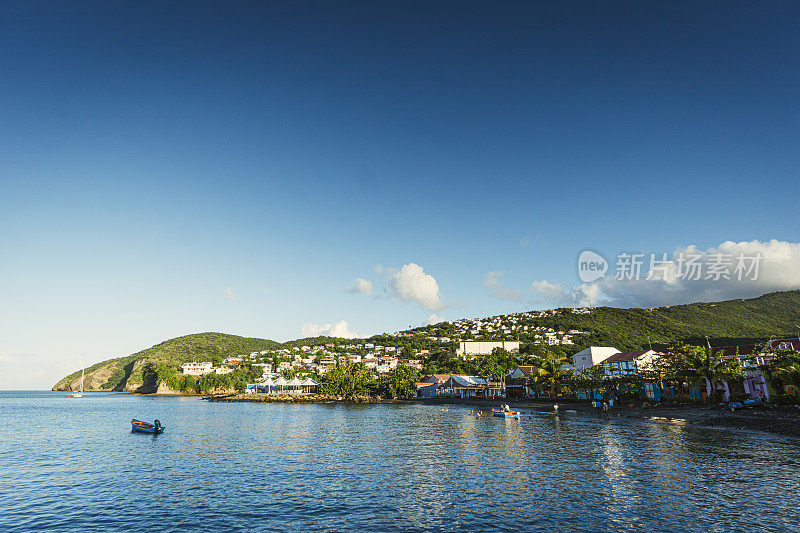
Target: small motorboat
[[144, 427], [505, 412], [752, 402]]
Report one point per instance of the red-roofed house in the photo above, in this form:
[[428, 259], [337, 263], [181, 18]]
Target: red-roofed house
[[426, 390]]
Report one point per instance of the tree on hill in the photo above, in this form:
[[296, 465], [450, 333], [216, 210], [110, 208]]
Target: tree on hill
[[495, 365]]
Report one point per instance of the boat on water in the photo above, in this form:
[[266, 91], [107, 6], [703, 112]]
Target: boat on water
[[505, 412], [78, 394], [145, 427]]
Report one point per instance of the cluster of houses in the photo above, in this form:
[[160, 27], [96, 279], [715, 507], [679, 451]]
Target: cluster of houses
[[310, 359], [506, 327], [615, 364]]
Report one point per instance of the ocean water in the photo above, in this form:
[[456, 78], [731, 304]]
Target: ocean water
[[69, 464]]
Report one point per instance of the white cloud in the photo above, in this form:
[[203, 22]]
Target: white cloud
[[360, 286], [339, 329], [228, 293], [266, 291], [431, 320], [779, 269], [493, 280], [412, 284], [548, 294], [527, 240]]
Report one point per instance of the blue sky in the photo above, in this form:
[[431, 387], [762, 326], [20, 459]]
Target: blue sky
[[154, 156]]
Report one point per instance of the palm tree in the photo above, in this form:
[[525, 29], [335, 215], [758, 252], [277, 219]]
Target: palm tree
[[704, 363], [787, 368], [550, 371]]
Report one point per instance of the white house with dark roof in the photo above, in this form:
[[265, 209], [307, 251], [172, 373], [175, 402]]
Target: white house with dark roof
[[197, 369], [593, 355], [629, 363]]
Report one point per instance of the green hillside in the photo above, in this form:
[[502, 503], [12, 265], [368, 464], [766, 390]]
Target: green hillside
[[730, 322], [125, 373], [724, 323]]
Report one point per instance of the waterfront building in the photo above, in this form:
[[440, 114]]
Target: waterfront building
[[471, 387], [518, 382], [623, 364], [427, 390]]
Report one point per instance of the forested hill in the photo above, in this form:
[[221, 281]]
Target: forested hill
[[125, 373], [728, 322]]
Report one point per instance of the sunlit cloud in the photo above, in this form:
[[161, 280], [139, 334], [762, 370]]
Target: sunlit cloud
[[360, 286], [339, 329], [411, 284]]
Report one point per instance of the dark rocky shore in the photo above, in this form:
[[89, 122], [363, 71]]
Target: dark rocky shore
[[783, 420], [297, 398]]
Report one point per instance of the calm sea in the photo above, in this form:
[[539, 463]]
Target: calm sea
[[68, 464]]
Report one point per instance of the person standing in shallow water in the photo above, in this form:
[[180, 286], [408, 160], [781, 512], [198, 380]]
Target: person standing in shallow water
[[605, 410]]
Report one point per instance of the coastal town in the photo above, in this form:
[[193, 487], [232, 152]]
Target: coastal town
[[743, 373], [465, 338]]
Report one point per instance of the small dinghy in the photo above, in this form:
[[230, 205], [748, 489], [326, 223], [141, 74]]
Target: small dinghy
[[505, 412], [143, 427]]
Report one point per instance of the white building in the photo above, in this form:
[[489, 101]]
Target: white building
[[197, 369], [223, 370], [593, 355], [630, 363], [472, 348]]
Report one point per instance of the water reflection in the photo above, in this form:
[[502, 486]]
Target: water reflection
[[380, 467]]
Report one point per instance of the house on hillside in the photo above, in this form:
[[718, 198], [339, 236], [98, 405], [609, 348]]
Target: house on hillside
[[197, 369], [476, 348]]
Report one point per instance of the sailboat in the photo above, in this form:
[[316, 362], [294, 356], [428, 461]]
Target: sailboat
[[78, 394]]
